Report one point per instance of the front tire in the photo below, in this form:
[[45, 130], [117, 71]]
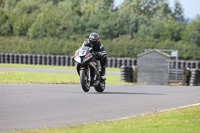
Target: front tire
[[85, 84]]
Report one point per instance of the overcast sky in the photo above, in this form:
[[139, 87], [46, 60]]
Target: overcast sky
[[191, 7]]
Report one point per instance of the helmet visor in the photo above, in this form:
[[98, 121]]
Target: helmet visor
[[93, 42]]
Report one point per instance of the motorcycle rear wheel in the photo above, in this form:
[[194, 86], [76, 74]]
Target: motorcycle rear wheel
[[85, 84], [101, 86]]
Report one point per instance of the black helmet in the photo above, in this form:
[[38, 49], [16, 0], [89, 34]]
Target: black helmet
[[93, 38]]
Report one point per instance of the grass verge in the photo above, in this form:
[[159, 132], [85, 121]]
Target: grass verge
[[184, 120], [49, 78], [47, 67]]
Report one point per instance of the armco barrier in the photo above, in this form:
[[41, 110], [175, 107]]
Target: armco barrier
[[62, 60]]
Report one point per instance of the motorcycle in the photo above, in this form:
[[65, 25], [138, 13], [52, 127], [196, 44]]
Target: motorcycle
[[88, 69]]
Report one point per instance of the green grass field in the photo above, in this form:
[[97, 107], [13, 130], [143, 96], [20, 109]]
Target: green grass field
[[184, 120]]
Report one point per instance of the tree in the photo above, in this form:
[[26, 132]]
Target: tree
[[146, 8], [192, 31], [96, 7], [178, 12], [161, 10], [2, 3], [158, 28], [9, 5], [172, 30]]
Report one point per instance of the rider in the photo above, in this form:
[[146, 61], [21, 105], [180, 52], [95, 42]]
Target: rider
[[97, 46]]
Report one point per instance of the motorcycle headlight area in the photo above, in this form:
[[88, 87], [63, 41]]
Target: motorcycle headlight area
[[77, 58]]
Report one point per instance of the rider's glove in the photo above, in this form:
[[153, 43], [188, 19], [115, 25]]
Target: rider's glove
[[98, 55]]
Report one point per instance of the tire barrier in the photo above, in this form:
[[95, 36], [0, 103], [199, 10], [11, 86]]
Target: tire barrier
[[129, 74], [183, 64], [191, 77], [62, 60], [195, 77], [126, 74], [186, 76], [57, 60]]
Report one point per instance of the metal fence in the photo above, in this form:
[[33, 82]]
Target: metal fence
[[62, 60], [172, 75]]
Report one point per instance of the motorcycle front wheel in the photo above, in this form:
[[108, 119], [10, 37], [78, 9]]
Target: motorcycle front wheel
[[85, 84]]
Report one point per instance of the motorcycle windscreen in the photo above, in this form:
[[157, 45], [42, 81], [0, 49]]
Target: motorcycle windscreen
[[83, 51]]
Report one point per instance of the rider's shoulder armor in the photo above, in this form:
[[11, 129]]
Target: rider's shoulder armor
[[87, 43], [98, 47]]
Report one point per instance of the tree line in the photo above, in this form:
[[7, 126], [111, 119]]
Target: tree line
[[60, 27]]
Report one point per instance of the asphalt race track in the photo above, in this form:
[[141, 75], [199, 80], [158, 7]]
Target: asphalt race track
[[30, 106]]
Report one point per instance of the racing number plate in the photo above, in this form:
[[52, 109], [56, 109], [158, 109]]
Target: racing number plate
[[82, 53]]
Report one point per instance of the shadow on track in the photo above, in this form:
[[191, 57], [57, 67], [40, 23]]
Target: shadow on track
[[126, 93]]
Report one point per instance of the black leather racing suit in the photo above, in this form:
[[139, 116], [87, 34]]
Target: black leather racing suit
[[98, 48]]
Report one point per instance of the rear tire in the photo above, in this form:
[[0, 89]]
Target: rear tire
[[101, 86], [85, 84]]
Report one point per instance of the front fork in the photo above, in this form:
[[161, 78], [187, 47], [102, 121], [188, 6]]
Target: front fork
[[88, 73]]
